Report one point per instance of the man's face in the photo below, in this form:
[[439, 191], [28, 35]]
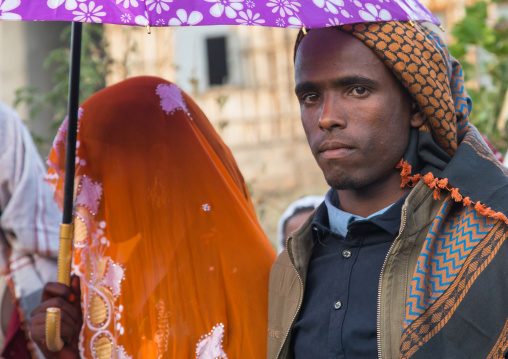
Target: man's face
[[355, 114]]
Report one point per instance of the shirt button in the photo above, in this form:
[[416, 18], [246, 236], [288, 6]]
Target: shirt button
[[346, 253], [337, 304]]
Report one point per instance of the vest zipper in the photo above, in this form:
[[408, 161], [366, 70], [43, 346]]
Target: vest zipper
[[299, 304], [380, 284]]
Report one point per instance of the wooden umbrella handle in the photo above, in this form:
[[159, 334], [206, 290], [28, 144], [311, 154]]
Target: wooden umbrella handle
[[54, 341]]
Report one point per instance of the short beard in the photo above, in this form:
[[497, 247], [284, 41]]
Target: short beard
[[343, 183]]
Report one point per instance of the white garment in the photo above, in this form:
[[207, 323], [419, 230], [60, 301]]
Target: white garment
[[29, 218]]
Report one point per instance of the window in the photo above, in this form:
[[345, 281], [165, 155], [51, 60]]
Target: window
[[217, 61]]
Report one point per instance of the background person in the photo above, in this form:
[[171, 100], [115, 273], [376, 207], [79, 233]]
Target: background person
[[172, 260], [29, 227], [293, 217]]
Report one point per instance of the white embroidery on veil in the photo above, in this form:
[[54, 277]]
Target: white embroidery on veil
[[210, 345]]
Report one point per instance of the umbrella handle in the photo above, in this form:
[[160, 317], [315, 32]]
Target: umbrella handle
[[54, 341]]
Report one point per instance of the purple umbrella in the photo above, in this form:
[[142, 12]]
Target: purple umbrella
[[147, 13], [274, 13]]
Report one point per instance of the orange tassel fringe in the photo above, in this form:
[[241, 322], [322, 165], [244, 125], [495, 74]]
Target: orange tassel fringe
[[439, 184], [405, 174]]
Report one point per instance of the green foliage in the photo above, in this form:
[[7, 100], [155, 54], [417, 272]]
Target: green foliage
[[94, 67], [477, 34]]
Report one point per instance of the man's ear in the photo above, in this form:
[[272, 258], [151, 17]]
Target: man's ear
[[417, 117]]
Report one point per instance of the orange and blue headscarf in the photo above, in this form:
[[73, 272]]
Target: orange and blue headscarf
[[445, 148]]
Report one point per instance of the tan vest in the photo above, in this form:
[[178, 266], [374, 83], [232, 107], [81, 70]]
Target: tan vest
[[289, 272]]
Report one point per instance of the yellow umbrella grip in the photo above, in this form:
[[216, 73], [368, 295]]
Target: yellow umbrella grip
[[65, 253], [54, 341]]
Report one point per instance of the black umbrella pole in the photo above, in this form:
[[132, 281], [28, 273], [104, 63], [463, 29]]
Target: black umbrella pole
[[72, 112], [67, 230]]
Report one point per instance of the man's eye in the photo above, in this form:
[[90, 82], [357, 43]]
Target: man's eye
[[359, 91], [309, 98]]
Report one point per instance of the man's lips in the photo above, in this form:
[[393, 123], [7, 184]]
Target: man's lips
[[333, 150]]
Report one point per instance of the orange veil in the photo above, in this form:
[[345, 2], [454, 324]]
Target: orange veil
[[172, 260]]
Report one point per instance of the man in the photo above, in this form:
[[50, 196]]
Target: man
[[383, 269], [29, 222]]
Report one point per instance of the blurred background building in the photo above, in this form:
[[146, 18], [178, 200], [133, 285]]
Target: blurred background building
[[241, 77]]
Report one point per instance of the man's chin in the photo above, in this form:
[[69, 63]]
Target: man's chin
[[341, 184]]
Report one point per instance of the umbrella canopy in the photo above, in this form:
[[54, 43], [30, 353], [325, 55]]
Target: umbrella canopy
[[274, 13]]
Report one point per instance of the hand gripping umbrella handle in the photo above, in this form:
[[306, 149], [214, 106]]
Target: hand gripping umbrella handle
[[54, 341]]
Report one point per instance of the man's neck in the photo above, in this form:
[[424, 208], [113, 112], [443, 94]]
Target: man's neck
[[370, 200]]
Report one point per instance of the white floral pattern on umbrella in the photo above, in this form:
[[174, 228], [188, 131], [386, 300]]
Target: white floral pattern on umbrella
[[182, 19], [276, 13], [142, 20], [126, 18], [333, 22], [284, 7], [6, 7], [158, 5], [225, 6], [69, 4], [295, 22], [329, 5], [411, 7], [249, 18], [89, 13], [375, 13], [127, 3]]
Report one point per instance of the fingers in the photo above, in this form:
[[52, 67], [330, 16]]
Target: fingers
[[54, 289], [38, 334], [68, 329], [68, 299], [68, 310], [65, 322]]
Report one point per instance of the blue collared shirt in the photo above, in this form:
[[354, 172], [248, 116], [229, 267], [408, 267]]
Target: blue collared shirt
[[338, 317], [338, 219]]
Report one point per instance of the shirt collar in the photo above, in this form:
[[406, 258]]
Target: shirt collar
[[388, 218]]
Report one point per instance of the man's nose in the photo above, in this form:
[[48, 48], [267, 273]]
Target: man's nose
[[332, 114]]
